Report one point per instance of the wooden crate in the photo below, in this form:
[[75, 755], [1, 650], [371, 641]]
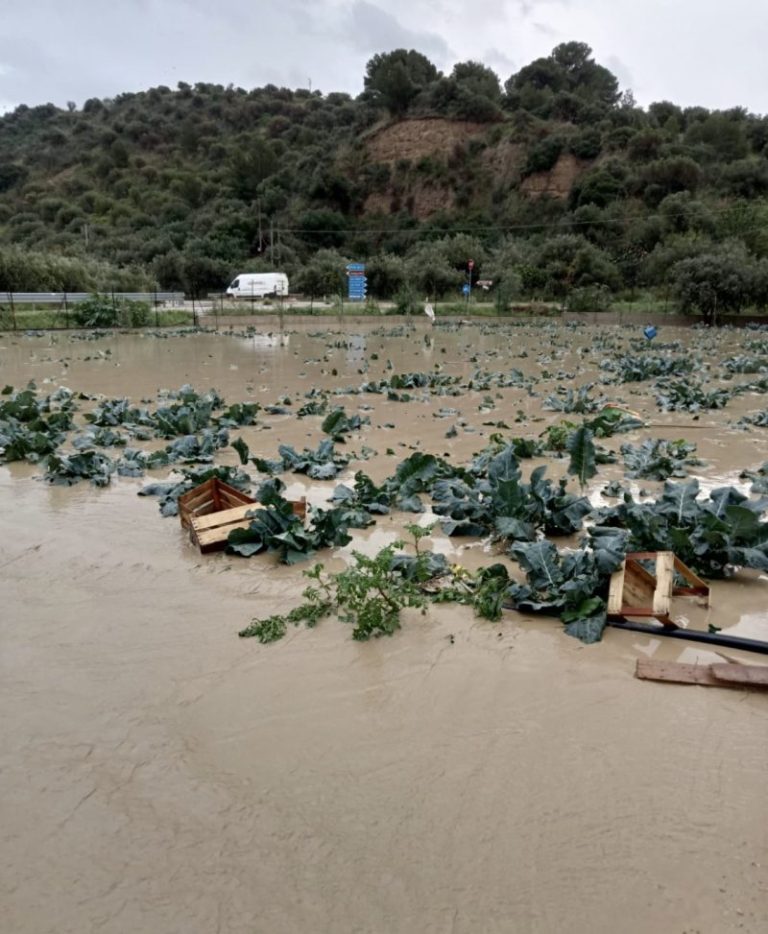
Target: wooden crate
[[214, 508], [635, 592], [211, 496]]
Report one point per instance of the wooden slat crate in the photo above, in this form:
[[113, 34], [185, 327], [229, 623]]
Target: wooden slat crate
[[635, 592], [214, 508], [211, 496]]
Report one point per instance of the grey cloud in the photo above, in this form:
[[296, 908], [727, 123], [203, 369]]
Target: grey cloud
[[54, 51], [616, 65], [501, 63], [527, 8], [372, 29], [546, 30]]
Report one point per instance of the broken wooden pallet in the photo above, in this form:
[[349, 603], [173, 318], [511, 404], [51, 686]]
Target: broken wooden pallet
[[720, 674], [635, 592]]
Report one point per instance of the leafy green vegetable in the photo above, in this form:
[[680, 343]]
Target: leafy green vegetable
[[20, 442], [659, 459], [71, 469], [578, 401], [571, 584], [711, 535], [321, 464], [240, 413], [170, 491], [364, 495], [638, 367], [581, 447], [277, 530], [243, 451], [502, 505], [338, 424], [688, 396]]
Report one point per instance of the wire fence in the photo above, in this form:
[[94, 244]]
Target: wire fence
[[59, 310]]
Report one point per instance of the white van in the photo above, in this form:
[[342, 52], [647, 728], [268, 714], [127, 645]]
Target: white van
[[258, 284]]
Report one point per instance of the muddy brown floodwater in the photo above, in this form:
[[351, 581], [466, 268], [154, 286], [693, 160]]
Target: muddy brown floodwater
[[159, 775]]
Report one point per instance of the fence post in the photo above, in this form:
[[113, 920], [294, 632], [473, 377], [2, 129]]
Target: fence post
[[154, 300], [13, 310]]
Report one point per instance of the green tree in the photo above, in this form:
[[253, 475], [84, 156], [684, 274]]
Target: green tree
[[322, 229], [570, 261], [478, 79], [249, 165], [430, 271], [716, 283], [726, 137], [600, 186], [386, 275], [323, 275], [396, 78]]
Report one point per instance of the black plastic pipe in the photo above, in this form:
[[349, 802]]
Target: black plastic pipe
[[694, 635]]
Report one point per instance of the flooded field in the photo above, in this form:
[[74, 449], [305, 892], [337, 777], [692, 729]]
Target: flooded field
[[160, 775]]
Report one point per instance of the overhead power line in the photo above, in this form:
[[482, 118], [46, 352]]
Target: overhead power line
[[501, 228]]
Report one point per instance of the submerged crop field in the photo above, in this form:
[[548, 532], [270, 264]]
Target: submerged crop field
[[404, 711]]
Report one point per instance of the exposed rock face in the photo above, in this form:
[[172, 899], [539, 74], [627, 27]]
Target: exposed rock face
[[499, 167], [558, 181], [422, 200], [414, 139]]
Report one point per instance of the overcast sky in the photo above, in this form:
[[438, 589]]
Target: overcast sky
[[688, 51]]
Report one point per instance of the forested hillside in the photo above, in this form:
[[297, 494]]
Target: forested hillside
[[556, 184]]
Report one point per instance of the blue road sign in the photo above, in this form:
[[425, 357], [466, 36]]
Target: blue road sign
[[466, 289], [650, 331], [357, 286], [355, 267]]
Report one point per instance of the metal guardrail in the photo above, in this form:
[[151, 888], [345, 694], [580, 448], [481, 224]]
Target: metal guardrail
[[64, 298]]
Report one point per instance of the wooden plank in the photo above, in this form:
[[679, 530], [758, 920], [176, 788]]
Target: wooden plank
[[216, 539], [211, 531], [299, 507], [197, 492], [214, 520], [616, 591], [699, 587], [662, 596], [720, 674], [751, 675], [689, 575], [639, 586], [652, 669], [640, 572], [230, 500]]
